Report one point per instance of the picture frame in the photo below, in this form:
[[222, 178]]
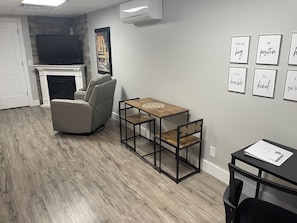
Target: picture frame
[[290, 91], [268, 49], [292, 60], [103, 50], [237, 79], [239, 51], [264, 82]]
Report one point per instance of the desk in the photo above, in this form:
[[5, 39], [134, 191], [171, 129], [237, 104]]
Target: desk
[[287, 171], [159, 110]]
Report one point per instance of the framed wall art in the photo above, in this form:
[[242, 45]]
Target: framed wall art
[[237, 77], [239, 49], [103, 50], [264, 83], [290, 92], [293, 50], [268, 49]]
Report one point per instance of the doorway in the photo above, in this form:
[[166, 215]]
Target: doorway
[[13, 88]]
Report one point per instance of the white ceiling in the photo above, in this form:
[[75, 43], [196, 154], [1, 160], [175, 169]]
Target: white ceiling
[[69, 8]]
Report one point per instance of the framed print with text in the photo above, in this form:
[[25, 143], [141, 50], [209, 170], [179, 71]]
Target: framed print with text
[[268, 49], [103, 51], [290, 92], [237, 77], [293, 50], [239, 49], [264, 83]]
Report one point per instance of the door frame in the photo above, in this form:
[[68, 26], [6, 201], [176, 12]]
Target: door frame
[[18, 22]]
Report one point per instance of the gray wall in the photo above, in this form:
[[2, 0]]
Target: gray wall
[[184, 59]]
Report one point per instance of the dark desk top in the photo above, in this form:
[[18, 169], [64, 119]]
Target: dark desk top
[[287, 171]]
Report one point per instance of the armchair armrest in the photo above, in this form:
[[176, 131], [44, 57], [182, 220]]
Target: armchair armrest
[[79, 95], [74, 116]]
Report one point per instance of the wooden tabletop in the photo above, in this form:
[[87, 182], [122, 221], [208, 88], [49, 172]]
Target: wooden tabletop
[[157, 108]]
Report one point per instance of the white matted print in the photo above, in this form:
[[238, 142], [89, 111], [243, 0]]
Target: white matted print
[[237, 77], [264, 82], [239, 49], [293, 50], [268, 49], [290, 92]]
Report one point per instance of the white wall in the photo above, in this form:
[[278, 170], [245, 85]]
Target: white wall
[[184, 59]]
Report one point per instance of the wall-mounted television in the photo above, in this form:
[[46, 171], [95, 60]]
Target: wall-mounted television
[[59, 49]]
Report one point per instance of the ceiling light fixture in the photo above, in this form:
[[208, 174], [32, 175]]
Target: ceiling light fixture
[[44, 2]]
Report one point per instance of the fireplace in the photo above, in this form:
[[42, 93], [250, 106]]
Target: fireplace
[[68, 73], [62, 87]]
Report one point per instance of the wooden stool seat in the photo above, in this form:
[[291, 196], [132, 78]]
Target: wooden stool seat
[[138, 118], [170, 137]]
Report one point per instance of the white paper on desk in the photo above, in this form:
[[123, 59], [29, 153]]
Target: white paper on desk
[[268, 152]]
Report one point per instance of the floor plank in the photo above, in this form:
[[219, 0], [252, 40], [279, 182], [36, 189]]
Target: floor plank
[[51, 177]]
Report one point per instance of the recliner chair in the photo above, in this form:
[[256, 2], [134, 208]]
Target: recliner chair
[[90, 109]]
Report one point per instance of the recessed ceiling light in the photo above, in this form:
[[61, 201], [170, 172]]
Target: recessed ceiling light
[[44, 2]]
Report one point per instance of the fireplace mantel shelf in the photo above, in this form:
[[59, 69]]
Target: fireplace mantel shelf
[[60, 67], [78, 71]]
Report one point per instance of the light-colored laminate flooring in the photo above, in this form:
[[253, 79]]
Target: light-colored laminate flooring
[[51, 177]]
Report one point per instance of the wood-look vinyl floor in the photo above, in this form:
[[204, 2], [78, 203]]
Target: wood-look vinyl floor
[[50, 177]]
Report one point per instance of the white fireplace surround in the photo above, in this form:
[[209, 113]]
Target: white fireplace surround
[[78, 71]]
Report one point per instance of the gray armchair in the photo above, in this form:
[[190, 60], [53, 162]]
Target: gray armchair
[[90, 109]]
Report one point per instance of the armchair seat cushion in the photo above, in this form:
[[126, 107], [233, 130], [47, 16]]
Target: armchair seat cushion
[[253, 210]]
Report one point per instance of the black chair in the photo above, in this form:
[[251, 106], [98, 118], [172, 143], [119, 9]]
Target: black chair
[[254, 210]]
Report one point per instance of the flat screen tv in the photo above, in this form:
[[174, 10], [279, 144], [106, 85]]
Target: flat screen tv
[[59, 49]]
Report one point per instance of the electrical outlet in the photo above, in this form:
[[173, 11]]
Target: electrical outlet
[[212, 151]]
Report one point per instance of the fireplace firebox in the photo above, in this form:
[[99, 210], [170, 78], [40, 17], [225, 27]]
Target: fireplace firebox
[[62, 87]]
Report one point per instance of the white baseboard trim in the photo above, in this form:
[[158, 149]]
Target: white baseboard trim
[[115, 116], [34, 103], [215, 171]]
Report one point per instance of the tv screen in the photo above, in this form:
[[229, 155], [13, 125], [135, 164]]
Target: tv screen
[[59, 49]]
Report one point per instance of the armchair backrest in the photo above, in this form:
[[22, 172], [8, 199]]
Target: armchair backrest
[[101, 99], [94, 82], [102, 93]]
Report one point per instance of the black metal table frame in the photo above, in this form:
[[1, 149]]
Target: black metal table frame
[[187, 112], [285, 172]]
